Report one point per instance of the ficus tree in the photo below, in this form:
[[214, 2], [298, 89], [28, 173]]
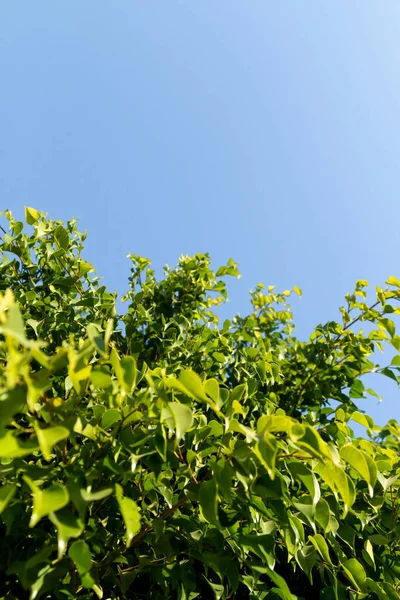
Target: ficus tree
[[164, 454]]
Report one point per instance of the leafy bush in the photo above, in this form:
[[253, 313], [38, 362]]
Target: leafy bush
[[160, 454]]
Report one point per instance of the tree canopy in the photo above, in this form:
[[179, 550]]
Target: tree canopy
[[164, 454]]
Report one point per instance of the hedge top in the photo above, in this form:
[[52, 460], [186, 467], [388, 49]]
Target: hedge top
[[162, 454]]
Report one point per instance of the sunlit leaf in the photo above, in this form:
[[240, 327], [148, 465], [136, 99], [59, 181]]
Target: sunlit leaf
[[183, 418], [31, 215], [49, 437], [355, 572], [321, 547], [130, 514], [362, 463], [46, 501], [68, 526], [61, 237]]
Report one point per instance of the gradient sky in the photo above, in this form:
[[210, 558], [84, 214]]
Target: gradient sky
[[266, 131]]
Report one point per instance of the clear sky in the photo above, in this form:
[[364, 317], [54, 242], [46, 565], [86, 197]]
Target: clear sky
[[267, 131]]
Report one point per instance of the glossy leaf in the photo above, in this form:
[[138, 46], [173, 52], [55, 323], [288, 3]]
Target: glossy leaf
[[355, 572], [321, 547]]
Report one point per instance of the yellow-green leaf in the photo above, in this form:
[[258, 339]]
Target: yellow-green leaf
[[183, 417], [46, 501], [193, 385], [61, 237], [321, 547], [68, 526], [362, 463], [13, 447], [49, 437], [130, 514], [393, 281], [355, 572], [31, 215]]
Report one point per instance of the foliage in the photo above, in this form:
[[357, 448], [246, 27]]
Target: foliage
[[161, 454]]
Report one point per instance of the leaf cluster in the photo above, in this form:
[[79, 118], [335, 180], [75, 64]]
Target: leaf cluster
[[164, 454]]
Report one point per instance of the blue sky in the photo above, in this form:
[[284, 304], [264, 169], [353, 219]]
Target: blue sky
[[266, 131]]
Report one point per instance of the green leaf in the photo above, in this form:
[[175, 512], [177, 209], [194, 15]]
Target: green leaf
[[160, 443], [266, 450], [129, 373], [355, 572], [219, 357], [208, 501], [31, 215], [376, 588], [110, 417], [193, 385], [363, 420], [262, 545], [321, 547], [130, 514], [61, 237], [369, 554], [306, 508], [280, 584], [391, 593], [49, 437], [344, 486], [274, 423], [13, 447], [378, 539], [89, 496], [46, 501], [7, 493], [96, 339], [297, 290], [338, 480], [11, 402], [302, 473], [68, 526], [388, 325], [393, 281], [238, 392], [183, 418], [322, 514], [357, 389], [47, 579], [362, 463], [100, 377], [306, 557], [211, 387], [116, 363], [15, 324], [310, 442], [80, 553]]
